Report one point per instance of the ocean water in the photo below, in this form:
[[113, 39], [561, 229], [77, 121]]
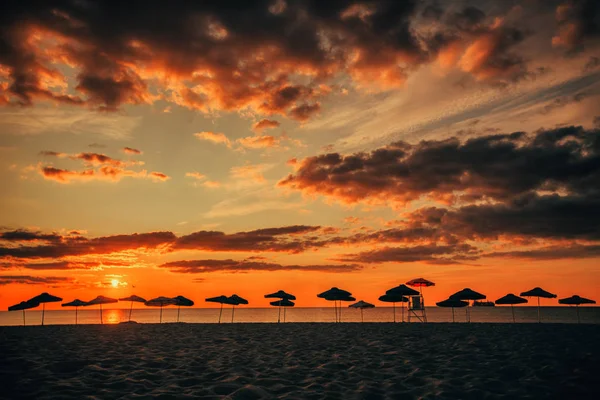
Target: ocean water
[[325, 314]]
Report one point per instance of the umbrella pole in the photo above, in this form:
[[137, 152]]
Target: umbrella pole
[[402, 305], [101, 321], [467, 314], [512, 308], [394, 310], [361, 316], [24, 318], [340, 311], [76, 315], [130, 309], [160, 320], [232, 313], [43, 309], [452, 314], [539, 317], [178, 309], [220, 312], [335, 309], [577, 308], [279, 312], [284, 314]]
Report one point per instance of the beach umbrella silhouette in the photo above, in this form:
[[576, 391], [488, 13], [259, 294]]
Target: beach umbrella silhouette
[[467, 294], [280, 294], [282, 303], [75, 303], [22, 306], [161, 302], [133, 298], [182, 301], [420, 283], [100, 300], [236, 300], [402, 290], [43, 299], [452, 303], [335, 294], [361, 305], [222, 299], [394, 298], [512, 300], [538, 292], [576, 301]]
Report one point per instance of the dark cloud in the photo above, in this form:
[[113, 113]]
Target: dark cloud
[[496, 167], [62, 265], [33, 280], [207, 266], [270, 239], [264, 124], [434, 254], [129, 150], [215, 55], [25, 236], [552, 253], [479, 44], [550, 217], [291, 239], [73, 246], [578, 24], [591, 64]]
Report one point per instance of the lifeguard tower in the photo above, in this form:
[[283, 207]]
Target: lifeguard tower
[[416, 304]]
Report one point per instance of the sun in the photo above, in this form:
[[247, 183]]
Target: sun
[[114, 283]]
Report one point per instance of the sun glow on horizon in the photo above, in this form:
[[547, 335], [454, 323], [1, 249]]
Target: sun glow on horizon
[[114, 283]]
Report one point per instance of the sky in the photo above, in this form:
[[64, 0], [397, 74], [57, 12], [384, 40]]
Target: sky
[[205, 148]]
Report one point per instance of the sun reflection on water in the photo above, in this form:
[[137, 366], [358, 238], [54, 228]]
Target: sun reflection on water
[[112, 316]]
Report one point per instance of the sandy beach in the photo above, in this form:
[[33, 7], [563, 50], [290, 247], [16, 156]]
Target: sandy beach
[[313, 361]]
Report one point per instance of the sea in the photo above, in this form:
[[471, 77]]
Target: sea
[[588, 315]]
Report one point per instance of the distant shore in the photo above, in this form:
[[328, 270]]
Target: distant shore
[[303, 360]]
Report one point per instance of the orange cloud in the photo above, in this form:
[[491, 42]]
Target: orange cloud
[[106, 173], [195, 175], [259, 142], [264, 124], [129, 150], [214, 137]]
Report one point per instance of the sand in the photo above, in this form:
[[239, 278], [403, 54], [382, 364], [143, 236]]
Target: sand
[[310, 361]]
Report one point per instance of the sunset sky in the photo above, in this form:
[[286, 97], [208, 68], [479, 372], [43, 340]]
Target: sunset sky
[[218, 147]]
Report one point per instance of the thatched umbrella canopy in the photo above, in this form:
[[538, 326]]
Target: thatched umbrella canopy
[[361, 305], [236, 300], [467, 294], [181, 301], [99, 301], [335, 294], [539, 293], [576, 301], [282, 303], [280, 294], [402, 290], [133, 298], [75, 303], [452, 303], [43, 299], [222, 299], [161, 302], [22, 306], [394, 298], [511, 299]]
